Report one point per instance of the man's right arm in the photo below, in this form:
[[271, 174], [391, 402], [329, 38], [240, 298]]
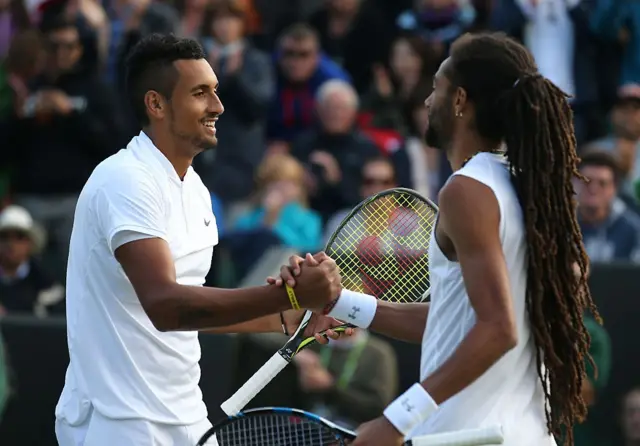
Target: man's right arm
[[170, 306], [131, 215], [405, 322]]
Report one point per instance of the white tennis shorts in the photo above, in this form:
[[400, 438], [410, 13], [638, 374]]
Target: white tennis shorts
[[101, 431]]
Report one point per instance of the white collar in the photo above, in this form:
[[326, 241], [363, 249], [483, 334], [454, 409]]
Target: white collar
[[142, 144]]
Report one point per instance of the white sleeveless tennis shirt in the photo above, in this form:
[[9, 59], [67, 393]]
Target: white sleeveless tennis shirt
[[121, 365], [510, 392]]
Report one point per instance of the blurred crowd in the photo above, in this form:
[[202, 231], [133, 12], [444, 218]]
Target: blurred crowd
[[324, 106]]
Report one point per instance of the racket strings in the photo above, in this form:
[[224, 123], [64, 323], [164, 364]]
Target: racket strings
[[276, 430], [382, 249]]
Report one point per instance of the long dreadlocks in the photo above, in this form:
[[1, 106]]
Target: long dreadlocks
[[515, 104]]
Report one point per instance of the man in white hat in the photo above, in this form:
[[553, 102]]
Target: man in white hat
[[24, 286]]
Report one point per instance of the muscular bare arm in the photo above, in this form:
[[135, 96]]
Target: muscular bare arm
[[170, 306], [405, 322], [470, 215]]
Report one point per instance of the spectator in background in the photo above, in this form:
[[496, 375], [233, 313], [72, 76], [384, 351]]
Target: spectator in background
[[631, 417], [13, 19], [349, 381], [246, 89], [279, 215], [274, 16], [378, 174], [25, 60], [623, 142], [25, 287], [130, 21], [611, 231], [70, 123], [334, 151], [192, 16], [387, 103], [389, 109], [587, 432], [355, 35], [559, 35], [619, 22], [91, 21], [302, 69], [438, 23]]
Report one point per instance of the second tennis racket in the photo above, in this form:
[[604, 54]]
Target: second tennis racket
[[381, 248]]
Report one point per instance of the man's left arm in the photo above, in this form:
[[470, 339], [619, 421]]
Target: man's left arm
[[470, 217]]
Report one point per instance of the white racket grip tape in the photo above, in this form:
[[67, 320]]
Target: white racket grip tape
[[254, 385], [469, 437]]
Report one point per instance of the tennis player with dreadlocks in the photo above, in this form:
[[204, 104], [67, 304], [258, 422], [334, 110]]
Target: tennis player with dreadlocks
[[506, 308]]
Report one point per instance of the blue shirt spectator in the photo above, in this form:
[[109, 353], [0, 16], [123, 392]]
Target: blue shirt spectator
[[302, 69], [611, 231], [296, 226]]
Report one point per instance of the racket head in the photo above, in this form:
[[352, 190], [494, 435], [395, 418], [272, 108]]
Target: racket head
[[382, 246], [277, 426]]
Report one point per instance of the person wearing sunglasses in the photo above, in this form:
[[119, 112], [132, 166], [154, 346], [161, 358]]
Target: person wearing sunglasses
[[377, 175]]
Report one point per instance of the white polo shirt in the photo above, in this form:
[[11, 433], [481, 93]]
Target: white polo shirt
[[121, 366]]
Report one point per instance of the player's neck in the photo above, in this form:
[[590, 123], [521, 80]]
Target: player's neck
[[466, 145], [171, 150]]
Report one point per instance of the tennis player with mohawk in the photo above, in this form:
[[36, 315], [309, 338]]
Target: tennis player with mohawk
[[143, 237], [503, 340]]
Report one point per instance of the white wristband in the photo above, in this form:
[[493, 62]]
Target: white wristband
[[355, 308], [410, 409]]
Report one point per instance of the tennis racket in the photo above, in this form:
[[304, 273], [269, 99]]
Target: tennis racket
[[382, 249], [276, 426]]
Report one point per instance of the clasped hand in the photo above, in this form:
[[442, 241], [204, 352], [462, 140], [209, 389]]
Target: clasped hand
[[378, 432], [317, 282]]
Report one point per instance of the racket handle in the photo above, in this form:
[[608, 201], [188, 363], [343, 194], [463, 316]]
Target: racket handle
[[254, 385], [470, 437]]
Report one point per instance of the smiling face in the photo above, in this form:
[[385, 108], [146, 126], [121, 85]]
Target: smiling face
[[194, 106]]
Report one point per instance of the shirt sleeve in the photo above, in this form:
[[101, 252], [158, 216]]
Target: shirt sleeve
[[132, 202], [127, 236]]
